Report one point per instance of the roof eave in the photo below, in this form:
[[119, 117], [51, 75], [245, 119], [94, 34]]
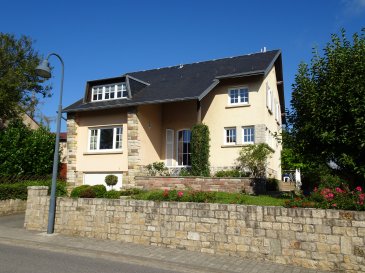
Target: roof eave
[[105, 107]]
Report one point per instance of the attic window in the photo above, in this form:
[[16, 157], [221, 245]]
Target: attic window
[[109, 92]]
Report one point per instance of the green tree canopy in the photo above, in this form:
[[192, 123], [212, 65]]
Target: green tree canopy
[[328, 102], [19, 85], [26, 151]]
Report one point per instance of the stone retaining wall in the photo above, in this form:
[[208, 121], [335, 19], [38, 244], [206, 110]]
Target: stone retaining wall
[[12, 206], [247, 185], [321, 239]]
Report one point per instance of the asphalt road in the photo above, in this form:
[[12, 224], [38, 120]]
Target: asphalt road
[[18, 259]]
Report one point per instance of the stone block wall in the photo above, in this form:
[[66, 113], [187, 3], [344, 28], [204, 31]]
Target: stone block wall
[[133, 145], [12, 206], [321, 239], [237, 185]]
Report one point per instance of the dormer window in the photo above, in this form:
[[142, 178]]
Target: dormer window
[[109, 92]]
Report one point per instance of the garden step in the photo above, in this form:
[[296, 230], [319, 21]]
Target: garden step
[[286, 186]]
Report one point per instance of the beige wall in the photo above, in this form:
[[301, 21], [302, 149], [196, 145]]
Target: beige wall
[[28, 121], [106, 161], [177, 116], [218, 115], [150, 132]]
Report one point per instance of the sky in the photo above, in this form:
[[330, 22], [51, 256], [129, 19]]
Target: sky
[[103, 39]]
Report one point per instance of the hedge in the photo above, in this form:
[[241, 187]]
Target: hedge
[[20, 191]]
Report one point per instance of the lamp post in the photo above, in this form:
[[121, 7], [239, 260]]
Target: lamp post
[[43, 70]]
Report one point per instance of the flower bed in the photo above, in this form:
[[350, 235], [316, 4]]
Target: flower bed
[[340, 197]]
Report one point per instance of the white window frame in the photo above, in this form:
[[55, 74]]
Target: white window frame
[[170, 144], [98, 134], [228, 135], [277, 111], [177, 147], [252, 129], [269, 98], [114, 88], [238, 89]]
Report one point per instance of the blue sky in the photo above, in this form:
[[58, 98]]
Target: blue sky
[[100, 39]]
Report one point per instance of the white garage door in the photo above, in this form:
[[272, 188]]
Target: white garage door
[[99, 179]]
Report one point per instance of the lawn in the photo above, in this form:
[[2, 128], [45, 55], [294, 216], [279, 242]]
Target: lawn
[[209, 197]]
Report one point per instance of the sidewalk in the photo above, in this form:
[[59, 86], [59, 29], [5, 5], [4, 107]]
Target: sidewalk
[[13, 233]]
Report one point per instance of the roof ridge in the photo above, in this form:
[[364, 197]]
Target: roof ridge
[[213, 60]]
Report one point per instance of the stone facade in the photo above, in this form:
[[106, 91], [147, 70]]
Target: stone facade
[[260, 133], [74, 178], [134, 145], [12, 206], [237, 185], [321, 239]]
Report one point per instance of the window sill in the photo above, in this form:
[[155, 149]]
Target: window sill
[[103, 152], [235, 145], [237, 105]]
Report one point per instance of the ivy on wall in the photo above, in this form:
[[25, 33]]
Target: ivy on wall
[[200, 150]]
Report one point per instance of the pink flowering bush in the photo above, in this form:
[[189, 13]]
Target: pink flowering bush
[[339, 197]]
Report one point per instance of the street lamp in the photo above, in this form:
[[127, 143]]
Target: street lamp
[[43, 70]]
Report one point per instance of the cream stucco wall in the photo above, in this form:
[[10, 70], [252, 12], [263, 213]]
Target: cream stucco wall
[[218, 115], [105, 161], [177, 116], [150, 132]]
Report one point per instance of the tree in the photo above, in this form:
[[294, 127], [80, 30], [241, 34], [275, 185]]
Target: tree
[[254, 159], [328, 102], [19, 85], [200, 150], [26, 151]]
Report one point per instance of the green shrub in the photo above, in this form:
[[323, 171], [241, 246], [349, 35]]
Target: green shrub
[[26, 151], [88, 193], [185, 172], [77, 191], [112, 194], [99, 190], [13, 191], [129, 192], [200, 150], [332, 198], [19, 190], [157, 169], [272, 184], [230, 173], [254, 159], [111, 180]]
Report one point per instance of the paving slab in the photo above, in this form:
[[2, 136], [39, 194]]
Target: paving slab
[[13, 233]]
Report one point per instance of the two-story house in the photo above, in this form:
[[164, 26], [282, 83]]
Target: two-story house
[[129, 121]]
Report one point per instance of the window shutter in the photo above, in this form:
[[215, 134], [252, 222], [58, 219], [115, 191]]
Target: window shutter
[[169, 146]]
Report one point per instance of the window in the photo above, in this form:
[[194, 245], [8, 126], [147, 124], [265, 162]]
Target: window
[[183, 148], [109, 92], [269, 98], [230, 135], [105, 139], [277, 111], [238, 96], [248, 135]]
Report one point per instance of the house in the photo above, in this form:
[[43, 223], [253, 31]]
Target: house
[[130, 121]]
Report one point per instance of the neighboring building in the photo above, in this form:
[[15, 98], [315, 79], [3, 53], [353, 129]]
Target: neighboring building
[[126, 122], [29, 121], [63, 156]]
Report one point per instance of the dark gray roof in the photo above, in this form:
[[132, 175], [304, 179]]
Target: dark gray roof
[[184, 82]]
